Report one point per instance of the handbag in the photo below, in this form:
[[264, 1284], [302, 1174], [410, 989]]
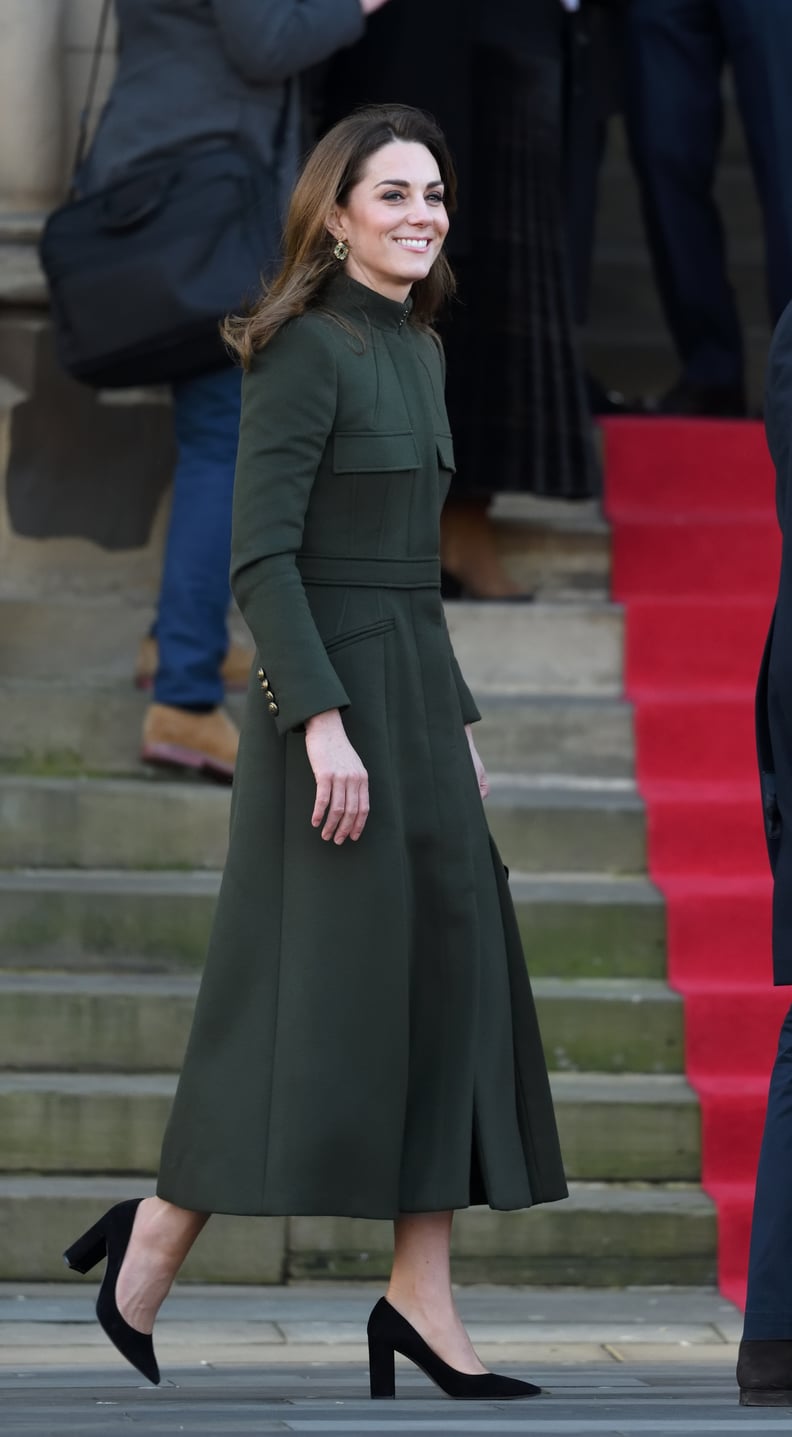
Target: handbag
[[142, 271]]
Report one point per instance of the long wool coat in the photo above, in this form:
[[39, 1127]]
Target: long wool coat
[[365, 1041]]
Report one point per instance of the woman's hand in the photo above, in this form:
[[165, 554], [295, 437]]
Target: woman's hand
[[481, 772], [342, 793]]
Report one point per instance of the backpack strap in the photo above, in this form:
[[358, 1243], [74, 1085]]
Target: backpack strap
[[90, 93]]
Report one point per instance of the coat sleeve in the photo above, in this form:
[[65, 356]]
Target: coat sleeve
[[288, 409], [269, 41]]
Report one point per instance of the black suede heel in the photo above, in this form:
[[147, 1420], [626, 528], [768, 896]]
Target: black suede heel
[[109, 1238], [389, 1333]]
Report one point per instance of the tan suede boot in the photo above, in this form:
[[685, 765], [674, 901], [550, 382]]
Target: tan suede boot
[[177, 738], [469, 553], [234, 672]]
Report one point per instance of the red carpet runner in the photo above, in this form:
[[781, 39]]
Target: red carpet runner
[[695, 562]]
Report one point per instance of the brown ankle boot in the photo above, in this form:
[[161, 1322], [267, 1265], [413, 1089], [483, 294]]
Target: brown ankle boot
[[469, 553], [177, 738], [234, 672]]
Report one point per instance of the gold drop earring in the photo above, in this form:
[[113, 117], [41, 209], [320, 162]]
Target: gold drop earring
[[341, 249]]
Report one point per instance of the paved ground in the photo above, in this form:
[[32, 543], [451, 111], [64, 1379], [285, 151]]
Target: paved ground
[[256, 1361]]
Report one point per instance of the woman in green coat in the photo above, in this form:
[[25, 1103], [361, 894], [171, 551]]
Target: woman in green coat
[[365, 1041]]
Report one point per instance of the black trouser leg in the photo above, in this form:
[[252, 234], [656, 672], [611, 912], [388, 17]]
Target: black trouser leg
[[674, 109], [759, 39], [768, 1313]]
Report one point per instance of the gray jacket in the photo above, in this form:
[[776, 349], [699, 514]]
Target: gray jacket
[[193, 69]]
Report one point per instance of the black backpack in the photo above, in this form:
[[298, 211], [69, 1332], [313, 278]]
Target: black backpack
[[142, 272]]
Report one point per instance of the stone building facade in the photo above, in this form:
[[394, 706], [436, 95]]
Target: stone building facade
[[83, 476]]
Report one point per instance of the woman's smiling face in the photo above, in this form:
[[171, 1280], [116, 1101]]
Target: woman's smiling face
[[394, 220]]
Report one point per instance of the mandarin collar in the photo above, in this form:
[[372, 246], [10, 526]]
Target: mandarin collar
[[352, 297]]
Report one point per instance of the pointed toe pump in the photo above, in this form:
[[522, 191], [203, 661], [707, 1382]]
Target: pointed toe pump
[[109, 1238], [389, 1333]]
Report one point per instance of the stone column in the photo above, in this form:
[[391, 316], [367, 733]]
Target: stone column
[[31, 127]]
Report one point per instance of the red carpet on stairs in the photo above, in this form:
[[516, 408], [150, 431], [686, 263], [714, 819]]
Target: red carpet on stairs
[[696, 550]]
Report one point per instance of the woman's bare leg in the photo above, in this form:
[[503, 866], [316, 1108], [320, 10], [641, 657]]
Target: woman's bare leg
[[161, 1239], [420, 1287]]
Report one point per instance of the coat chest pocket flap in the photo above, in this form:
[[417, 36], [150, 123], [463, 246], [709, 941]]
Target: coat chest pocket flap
[[374, 453]]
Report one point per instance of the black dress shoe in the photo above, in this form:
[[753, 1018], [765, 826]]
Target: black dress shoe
[[764, 1373], [700, 401], [604, 402], [389, 1332], [109, 1238]]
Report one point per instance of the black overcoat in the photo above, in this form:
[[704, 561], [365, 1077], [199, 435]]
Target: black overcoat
[[774, 690]]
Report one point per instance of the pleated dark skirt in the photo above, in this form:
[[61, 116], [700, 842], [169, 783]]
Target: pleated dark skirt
[[516, 396]]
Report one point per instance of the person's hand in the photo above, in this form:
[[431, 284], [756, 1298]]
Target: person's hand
[[342, 793], [369, 6], [481, 772]]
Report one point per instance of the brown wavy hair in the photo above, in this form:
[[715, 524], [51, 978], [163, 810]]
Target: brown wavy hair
[[333, 168]]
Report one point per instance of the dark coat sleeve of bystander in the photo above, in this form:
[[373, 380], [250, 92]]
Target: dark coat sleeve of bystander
[[774, 689]]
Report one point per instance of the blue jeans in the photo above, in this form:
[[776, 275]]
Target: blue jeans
[[768, 1311], [191, 627]]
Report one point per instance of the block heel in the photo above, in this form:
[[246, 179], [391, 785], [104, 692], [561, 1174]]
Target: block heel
[[88, 1250], [382, 1368]]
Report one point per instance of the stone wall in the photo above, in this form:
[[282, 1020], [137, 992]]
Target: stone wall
[[45, 51]]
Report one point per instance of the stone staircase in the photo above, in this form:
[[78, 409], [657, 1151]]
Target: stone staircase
[[107, 883]]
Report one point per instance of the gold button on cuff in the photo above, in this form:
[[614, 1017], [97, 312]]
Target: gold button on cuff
[[273, 708], [261, 676]]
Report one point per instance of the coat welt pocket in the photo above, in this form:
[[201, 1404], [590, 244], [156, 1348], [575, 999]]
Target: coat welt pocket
[[356, 636], [445, 451], [374, 453]]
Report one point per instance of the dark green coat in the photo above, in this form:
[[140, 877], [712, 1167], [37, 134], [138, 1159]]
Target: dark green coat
[[365, 1041]]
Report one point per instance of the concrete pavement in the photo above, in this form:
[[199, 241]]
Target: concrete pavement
[[260, 1360]]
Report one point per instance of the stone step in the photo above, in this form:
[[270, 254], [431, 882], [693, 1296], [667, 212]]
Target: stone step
[[541, 648], [536, 648], [132, 1024], [631, 1128], [603, 1235], [98, 730], [579, 825], [554, 550], [573, 926], [589, 925], [615, 1025]]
